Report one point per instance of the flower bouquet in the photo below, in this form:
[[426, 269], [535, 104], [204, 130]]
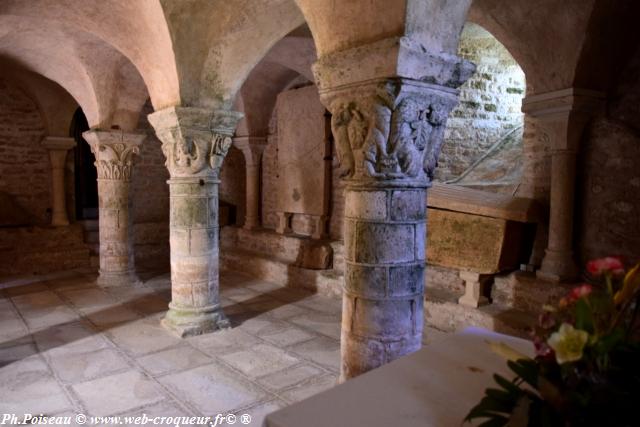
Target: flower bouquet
[[586, 371]]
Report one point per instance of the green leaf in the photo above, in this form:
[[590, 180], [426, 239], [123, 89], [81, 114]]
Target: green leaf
[[527, 370], [500, 395], [584, 316], [507, 385]]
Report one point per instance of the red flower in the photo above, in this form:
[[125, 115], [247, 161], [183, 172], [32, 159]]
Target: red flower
[[580, 292], [610, 264]]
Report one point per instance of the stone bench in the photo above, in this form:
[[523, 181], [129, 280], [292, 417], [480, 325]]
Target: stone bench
[[479, 233]]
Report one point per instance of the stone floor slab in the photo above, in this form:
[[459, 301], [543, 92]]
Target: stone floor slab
[[143, 337], [309, 389], [288, 337], [260, 360], [172, 360], [289, 377], [78, 367], [323, 351], [213, 389], [117, 393], [27, 387]]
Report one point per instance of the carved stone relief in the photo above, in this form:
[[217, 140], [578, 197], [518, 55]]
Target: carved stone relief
[[389, 132]]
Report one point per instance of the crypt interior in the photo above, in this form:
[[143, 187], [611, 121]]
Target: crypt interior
[[230, 206]]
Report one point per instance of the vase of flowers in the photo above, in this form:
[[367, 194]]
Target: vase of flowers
[[586, 371]]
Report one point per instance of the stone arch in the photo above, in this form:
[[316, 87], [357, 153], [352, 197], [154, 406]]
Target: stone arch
[[483, 141], [212, 72], [55, 104], [93, 72], [137, 30]]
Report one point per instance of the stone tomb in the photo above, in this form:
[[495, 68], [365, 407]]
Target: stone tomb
[[304, 161], [479, 233]]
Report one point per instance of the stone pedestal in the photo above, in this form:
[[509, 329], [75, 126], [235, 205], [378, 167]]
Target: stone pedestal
[[195, 142], [114, 152], [284, 223], [474, 289], [388, 134], [252, 148], [58, 148], [562, 116]]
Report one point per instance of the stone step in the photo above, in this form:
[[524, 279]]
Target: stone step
[[443, 312], [523, 291], [282, 272]]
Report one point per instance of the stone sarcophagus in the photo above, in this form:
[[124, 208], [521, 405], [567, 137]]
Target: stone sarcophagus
[[479, 233]]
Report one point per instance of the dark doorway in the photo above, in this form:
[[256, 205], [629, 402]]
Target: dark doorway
[[86, 176]]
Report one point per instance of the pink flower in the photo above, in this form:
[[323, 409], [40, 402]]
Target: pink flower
[[610, 264], [580, 292]]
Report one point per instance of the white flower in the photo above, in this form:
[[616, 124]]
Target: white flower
[[568, 343]]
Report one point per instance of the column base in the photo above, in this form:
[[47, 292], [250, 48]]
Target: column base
[[558, 267], [188, 322], [111, 280]]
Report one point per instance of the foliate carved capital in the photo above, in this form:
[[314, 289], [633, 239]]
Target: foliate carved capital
[[114, 151], [389, 131], [252, 148], [194, 141]]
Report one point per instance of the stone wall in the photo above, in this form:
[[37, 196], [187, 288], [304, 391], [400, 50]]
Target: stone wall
[[25, 172], [489, 105], [608, 202], [150, 192]]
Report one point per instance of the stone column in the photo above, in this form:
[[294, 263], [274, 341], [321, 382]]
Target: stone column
[[252, 148], [562, 116], [58, 148], [388, 133], [114, 152], [195, 142]]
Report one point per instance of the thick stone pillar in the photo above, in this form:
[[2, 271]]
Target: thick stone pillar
[[252, 148], [58, 148], [388, 133], [114, 152], [562, 116], [195, 142]]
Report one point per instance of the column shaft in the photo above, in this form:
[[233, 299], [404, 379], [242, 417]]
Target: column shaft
[[58, 148], [116, 233], [114, 151], [194, 307], [562, 115], [195, 142], [252, 218], [384, 233]]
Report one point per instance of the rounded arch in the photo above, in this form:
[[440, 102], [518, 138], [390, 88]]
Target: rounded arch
[[101, 80], [55, 104], [138, 30]]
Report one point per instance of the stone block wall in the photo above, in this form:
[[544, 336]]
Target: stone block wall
[[25, 172], [489, 105], [150, 199]]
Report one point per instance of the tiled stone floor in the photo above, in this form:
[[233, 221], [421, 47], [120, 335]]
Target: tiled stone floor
[[68, 346]]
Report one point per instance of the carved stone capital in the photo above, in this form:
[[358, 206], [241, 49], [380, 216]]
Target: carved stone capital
[[114, 151], [58, 147], [389, 131], [252, 148], [195, 141], [563, 114]]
